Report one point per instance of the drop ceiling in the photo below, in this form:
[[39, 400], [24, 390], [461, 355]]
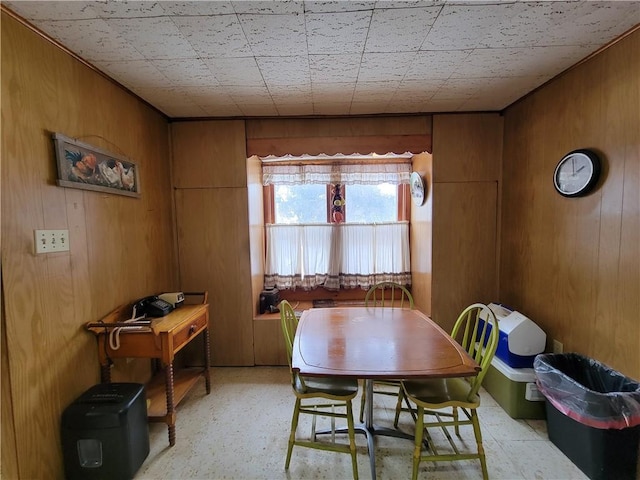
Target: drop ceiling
[[200, 59]]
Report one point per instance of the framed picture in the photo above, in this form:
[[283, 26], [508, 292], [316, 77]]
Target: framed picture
[[84, 166]]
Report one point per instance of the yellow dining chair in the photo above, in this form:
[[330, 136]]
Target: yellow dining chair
[[331, 397], [386, 294], [430, 397]]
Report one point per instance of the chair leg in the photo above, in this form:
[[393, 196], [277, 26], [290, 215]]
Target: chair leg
[[418, 442], [362, 402], [398, 407], [478, 434], [455, 419], [352, 440], [292, 435]]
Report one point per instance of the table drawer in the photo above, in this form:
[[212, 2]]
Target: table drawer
[[190, 329]]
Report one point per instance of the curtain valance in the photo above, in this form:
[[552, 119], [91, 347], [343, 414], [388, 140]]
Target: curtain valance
[[345, 174]]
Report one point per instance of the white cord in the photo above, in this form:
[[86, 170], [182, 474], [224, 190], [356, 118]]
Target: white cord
[[114, 335]]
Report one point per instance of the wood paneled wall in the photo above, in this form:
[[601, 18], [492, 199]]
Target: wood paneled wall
[[212, 219], [314, 136], [467, 154], [421, 234], [121, 247], [573, 265]]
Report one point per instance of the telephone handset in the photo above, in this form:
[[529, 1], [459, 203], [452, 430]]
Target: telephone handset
[[151, 307]]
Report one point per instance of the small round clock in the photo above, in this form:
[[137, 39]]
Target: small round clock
[[417, 188], [577, 173]]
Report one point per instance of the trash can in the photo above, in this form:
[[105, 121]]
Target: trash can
[[105, 433], [593, 414]]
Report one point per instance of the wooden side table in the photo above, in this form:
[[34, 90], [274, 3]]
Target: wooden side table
[[161, 340]]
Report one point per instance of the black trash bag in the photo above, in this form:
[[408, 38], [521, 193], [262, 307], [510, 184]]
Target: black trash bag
[[588, 391]]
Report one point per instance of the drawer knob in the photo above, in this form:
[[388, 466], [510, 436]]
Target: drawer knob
[[192, 329]]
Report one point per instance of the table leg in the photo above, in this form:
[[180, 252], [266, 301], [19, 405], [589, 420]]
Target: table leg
[[171, 409], [370, 430], [105, 373], [207, 360]]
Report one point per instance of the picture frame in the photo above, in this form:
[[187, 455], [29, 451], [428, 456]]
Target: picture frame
[[86, 167]]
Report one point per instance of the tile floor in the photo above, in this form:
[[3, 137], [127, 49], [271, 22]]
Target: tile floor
[[240, 431]]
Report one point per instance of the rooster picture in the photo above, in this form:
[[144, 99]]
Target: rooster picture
[[85, 168], [127, 176]]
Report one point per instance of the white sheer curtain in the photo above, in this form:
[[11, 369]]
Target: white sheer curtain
[[337, 255]]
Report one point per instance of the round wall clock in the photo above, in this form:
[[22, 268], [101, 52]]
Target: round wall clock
[[417, 188], [577, 173]]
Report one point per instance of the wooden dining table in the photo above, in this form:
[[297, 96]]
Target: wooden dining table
[[376, 343]]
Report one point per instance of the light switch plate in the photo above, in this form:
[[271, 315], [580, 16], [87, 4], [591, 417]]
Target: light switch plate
[[49, 241]]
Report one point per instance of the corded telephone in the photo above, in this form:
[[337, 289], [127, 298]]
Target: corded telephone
[[151, 307]]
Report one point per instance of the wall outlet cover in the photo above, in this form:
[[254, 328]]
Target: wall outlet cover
[[49, 241]]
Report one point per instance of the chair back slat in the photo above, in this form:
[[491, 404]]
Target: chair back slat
[[289, 325], [477, 332], [389, 294]]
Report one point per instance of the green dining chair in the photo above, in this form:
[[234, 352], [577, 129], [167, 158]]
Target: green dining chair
[[476, 329], [319, 397], [386, 294]]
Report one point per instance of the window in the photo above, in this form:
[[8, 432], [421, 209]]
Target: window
[[296, 204], [372, 203], [336, 226]]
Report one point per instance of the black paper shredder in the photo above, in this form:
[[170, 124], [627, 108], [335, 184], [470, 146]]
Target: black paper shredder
[[105, 433]]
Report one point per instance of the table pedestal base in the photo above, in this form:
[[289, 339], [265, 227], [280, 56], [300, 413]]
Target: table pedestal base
[[370, 430]]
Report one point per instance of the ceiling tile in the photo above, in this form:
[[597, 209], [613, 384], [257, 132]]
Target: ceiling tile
[[334, 68], [155, 38], [436, 65], [235, 71], [337, 33], [400, 30], [197, 7], [214, 36], [186, 72], [92, 40], [333, 93], [61, 10], [288, 94], [564, 23], [384, 66], [520, 62], [461, 27], [374, 91], [416, 90], [263, 7], [136, 73], [129, 9], [284, 70], [274, 35], [250, 95], [224, 110], [338, 6], [207, 96]]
